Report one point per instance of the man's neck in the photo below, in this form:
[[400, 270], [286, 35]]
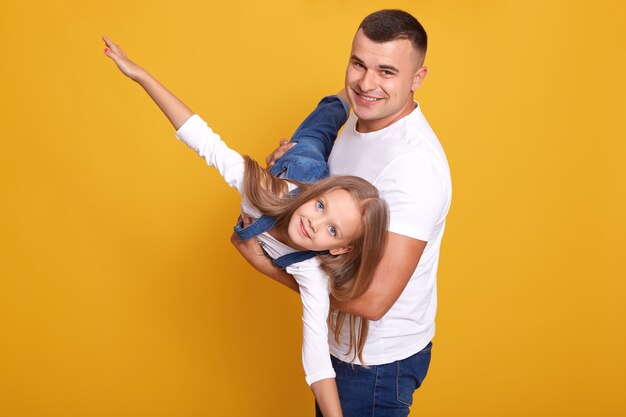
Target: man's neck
[[368, 126]]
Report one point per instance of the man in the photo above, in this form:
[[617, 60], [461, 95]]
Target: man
[[388, 142]]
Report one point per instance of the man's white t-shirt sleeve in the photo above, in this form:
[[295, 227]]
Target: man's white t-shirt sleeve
[[415, 193]]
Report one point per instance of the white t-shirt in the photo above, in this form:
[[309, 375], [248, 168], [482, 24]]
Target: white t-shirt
[[313, 283], [407, 164]]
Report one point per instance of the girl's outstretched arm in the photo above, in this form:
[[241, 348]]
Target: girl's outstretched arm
[[327, 397], [175, 110]]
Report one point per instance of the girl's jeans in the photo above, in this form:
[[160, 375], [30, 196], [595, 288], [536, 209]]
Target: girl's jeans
[[307, 161]]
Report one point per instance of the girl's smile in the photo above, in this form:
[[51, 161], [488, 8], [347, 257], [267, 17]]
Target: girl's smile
[[303, 230], [329, 222]]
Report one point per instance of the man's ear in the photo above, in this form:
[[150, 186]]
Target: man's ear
[[419, 77], [340, 251]]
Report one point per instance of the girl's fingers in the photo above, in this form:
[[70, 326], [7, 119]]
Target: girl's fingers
[[109, 43], [112, 54]]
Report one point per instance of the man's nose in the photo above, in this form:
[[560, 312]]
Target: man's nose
[[368, 81]]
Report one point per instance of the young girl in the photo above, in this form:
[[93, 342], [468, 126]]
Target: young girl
[[334, 227]]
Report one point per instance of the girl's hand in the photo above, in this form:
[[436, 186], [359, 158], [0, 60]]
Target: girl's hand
[[128, 67], [174, 109]]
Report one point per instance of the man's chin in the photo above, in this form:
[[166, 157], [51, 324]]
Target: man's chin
[[365, 114]]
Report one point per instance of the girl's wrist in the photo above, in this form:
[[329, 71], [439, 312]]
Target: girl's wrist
[[140, 75]]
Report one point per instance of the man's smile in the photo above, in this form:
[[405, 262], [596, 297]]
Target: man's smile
[[367, 98]]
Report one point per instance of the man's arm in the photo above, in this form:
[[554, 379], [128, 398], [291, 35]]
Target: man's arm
[[253, 253], [400, 258], [399, 261]]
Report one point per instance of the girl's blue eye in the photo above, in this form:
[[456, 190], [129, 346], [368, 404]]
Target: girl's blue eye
[[319, 205], [332, 231]]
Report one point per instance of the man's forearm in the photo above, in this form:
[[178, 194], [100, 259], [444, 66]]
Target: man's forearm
[[253, 254], [277, 274], [400, 258]]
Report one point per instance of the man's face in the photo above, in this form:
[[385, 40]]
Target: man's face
[[380, 80]]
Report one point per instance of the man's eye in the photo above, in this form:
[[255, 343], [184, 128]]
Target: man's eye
[[319, 205], [358, 65], [332, 231]]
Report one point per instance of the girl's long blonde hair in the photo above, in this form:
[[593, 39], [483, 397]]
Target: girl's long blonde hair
[[350, 274]]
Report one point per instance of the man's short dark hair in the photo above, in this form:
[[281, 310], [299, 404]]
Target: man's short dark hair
[[390, 25]]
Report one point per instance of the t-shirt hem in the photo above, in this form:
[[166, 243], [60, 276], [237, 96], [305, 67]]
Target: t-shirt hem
[[388, 358]]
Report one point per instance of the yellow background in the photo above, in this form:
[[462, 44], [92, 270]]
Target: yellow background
[[120, 294]]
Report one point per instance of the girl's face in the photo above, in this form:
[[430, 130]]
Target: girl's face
[[329, 222]]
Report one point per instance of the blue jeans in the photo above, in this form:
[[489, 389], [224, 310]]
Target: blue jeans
[[307, 161], [380, 390]]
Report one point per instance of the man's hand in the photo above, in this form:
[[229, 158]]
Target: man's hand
[[250, 249], [283, 147], [253, 253]]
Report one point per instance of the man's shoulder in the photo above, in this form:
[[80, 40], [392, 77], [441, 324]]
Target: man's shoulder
[[398, 150], [414, 128], [419, 141], [417, 156]]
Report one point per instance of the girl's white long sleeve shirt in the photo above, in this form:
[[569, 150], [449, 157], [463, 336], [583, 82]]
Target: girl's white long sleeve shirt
[[313, 283]]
